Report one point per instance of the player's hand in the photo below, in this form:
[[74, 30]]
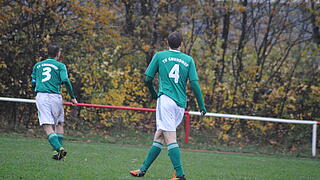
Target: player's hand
[[74, 101], [203, 111]]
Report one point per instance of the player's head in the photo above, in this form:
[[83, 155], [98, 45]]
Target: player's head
[[53, 50], [174, 40]]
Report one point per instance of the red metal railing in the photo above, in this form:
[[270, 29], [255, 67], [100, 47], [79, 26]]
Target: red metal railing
[[188, 116]]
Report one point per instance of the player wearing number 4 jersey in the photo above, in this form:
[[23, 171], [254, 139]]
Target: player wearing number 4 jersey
[[47, 77], [174, 69]]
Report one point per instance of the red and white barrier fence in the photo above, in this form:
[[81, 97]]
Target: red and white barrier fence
[[188, 117]]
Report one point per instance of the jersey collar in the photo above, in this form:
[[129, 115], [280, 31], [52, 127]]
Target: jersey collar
[[52, 59], [174, 50]]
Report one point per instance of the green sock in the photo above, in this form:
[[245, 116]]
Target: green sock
[[60, 138], [54, 141], [174, 154], [152, 155]]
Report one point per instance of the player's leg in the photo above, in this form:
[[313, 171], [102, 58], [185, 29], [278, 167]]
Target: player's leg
[[60, 132], [48, 129], [157, 142], [155, 149], [53, 139], [52, 136], [174, 153], [152, 155], [46, 120], [58, 115], [172, 116], [45, 105]]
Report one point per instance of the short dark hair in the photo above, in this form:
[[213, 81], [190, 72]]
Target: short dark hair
[[53, 50], [174, 40]]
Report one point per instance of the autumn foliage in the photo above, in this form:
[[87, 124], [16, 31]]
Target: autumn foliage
[[257, 58]]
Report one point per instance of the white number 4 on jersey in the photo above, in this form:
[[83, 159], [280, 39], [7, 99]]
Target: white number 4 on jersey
[[174, 73]]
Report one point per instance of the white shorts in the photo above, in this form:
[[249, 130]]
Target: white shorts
[[50, 108], [168, 114]]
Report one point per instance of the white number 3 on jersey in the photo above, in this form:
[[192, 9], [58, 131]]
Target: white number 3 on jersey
[[174, 73], [46, 72]]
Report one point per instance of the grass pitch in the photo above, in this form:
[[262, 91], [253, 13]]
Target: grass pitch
[[30, 158]]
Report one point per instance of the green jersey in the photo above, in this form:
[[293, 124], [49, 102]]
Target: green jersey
[[48, 75], [174, 69]]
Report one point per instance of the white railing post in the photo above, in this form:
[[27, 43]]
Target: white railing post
[[314, 139]]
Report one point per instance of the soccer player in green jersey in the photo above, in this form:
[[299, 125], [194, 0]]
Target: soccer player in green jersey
[[47, 78], [174, 69]]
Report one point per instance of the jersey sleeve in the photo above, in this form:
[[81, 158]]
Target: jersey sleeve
[[197, 91], [66, 81], [153, 67], [149, 84], [193, 76], [33, 77]]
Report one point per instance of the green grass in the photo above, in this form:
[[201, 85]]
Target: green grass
[[30, 158]]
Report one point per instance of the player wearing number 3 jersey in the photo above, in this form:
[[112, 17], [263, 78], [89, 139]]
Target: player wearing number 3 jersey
[[174, 69], [47, 77]]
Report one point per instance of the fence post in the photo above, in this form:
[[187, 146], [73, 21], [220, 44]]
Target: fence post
[[188, 116], [314, 139]]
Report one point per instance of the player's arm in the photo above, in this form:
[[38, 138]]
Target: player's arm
[[67, 83], [149, 84], [193, 76], [197, 92], [33, 78], [150, 73]]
